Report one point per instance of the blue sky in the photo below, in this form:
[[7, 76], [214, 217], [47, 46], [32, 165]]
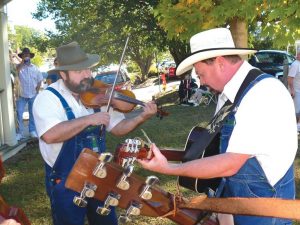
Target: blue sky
[[19, 13]]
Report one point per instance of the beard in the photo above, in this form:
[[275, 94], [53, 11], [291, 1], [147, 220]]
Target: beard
[[84, 85]]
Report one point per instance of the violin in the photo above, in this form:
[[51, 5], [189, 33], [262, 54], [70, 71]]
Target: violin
[[122, 100]]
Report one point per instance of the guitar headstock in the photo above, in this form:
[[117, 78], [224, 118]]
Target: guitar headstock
[[94, 176], [132, 149]]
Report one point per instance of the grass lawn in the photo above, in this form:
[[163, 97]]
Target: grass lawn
[[23, 185]]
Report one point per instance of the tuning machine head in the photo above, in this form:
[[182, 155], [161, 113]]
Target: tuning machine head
[[111, 200], [123, 182], [88, 191], [146, 193], [133, 209], [100, 170]]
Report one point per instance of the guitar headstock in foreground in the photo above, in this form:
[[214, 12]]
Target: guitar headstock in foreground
[[93, 175]]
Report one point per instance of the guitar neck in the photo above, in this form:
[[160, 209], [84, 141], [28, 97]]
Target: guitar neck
[[173, 155]]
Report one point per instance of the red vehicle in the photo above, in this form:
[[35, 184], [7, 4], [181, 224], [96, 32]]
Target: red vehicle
[[172, 72]]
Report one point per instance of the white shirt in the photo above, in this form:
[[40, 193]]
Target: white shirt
[[48, 112], [265, 124], [294, 71], [30, 77]]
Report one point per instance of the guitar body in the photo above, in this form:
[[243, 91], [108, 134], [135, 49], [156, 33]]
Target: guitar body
[[160, 204], [200, 185]]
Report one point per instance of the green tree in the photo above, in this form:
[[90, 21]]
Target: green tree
[[279, 20], [23, 36], [101, 26]]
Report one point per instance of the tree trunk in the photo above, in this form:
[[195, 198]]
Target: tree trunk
[[239, 31]]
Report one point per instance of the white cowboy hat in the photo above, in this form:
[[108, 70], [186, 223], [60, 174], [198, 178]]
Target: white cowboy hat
[[209, 44]]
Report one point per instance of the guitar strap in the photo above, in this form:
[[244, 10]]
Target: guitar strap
[[213, 128]]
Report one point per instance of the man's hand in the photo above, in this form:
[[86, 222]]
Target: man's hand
[[158, 163], [99, 118], [292, 93], [150, 109], [9, 222]]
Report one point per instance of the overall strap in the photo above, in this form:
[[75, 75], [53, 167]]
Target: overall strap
[[67, 108], [215, 125]]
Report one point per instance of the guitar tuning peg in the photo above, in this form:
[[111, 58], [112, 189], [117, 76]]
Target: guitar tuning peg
[[88, 191], [133, 209], [111, 200], [146, 192], [136, 146], [123, 182], [128, 145], [100, 170]]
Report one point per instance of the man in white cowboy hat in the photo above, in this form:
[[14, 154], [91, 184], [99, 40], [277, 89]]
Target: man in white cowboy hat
[[65, 126], [258, 134], [30, 81]]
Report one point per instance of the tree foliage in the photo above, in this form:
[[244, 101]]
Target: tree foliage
[[102, 26], [23, 36], [276, 20]]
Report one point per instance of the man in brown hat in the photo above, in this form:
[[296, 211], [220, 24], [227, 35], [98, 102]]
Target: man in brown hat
[[65, 126], [30, 81]]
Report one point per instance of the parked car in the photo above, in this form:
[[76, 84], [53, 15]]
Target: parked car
[[108, 77], [271, 61]]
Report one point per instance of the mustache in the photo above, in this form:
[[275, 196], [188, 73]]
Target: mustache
[[86, 84]]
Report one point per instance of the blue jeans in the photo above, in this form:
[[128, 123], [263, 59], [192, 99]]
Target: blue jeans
[[21, 104]]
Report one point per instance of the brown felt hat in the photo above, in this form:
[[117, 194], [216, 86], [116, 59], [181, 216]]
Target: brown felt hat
[[26, 51], [72, 57]]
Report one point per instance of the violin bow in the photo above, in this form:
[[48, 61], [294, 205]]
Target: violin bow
[[116, 77], [115, 81]]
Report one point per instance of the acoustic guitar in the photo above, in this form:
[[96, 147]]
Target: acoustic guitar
[[93, 176], [135, 149], [10, 212]]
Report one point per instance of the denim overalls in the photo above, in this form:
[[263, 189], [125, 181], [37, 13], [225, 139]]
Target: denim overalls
[[251, 181], [64, 211]]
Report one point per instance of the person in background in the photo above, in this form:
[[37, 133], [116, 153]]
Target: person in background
[[257, 132], [294, 85], [65, 126], [30, 81]]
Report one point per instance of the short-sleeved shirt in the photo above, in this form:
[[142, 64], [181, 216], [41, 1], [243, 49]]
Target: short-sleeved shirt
[[48, 112], [30, 77], [265, 123], [294, 71]]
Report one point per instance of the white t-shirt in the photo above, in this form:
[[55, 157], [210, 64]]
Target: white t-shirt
[[265, 124], [48, 112], [294, 71]]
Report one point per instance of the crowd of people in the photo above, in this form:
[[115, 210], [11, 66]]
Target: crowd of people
[[256, 129]]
